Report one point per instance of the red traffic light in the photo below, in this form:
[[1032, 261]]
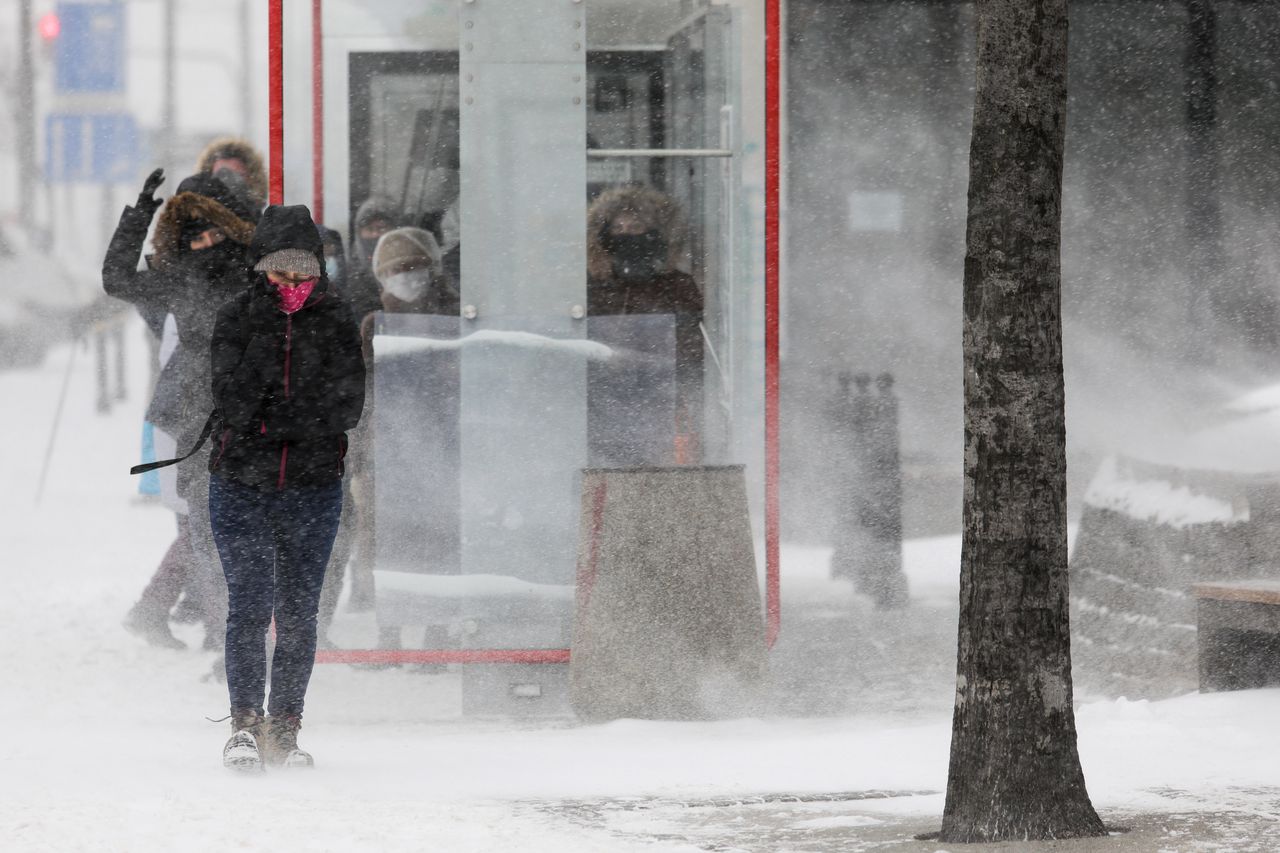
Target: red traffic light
[[49, 26]]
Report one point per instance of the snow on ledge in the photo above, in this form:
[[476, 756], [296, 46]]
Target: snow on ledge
[[1257, 401], [1157, 501], [394, 345], [471, 586]]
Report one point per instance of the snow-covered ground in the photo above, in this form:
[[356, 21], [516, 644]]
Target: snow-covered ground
[[105, 745]]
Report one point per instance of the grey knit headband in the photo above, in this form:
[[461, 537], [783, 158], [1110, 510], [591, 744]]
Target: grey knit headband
[[289, 260]]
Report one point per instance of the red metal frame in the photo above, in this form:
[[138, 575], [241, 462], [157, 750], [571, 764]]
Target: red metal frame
[[275, 117], [772, 257], [317, 112], [773, 171]]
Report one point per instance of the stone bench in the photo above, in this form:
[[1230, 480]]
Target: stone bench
[[1238, 634]]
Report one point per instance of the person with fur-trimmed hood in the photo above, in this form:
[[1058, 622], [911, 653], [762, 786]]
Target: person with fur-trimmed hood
[[236, 163], [635, 238], [198, 264], [289, 383]]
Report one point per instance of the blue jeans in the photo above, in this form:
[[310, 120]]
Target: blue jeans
[[274, 548]]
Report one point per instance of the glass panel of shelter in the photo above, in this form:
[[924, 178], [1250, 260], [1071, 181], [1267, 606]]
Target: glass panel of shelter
[[481, 423]]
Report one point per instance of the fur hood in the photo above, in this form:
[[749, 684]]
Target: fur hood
[[656, 210], [184, 207], [240, 149]]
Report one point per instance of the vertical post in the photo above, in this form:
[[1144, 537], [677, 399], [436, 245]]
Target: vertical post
[[317, 111], [117, 335], [26, 117], [168, 83], [1204, 215], [101, 371], [523, 129], [772, 176], [275, 110], [246, 70]]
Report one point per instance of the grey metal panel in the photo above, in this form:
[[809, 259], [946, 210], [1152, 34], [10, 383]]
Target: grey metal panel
[[498, 32], [524, 180], [523, 412]]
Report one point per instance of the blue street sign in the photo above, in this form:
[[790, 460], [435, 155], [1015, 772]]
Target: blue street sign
[[91, 147], [90, 52]]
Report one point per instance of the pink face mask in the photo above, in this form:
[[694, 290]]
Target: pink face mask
[[292, 298]]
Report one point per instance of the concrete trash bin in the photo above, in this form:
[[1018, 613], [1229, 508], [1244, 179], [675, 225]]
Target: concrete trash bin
[[668, 622]]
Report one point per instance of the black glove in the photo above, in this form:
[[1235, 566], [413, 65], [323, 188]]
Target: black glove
[[147, 198]]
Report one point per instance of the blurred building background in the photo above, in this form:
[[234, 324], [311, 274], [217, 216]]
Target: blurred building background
[[1170, 257]]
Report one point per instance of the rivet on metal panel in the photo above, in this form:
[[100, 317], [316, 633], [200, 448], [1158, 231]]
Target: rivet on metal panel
[[470, 24], [470, 100], [470, 312], [470, 77], [577, 312], [470, 46], [577, 45], [577, 78], [577, 25], [577, 100]]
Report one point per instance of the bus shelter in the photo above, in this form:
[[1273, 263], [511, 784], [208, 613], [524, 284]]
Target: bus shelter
[[600, 179]]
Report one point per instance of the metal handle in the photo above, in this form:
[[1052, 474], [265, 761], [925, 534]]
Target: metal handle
[[601, 153]]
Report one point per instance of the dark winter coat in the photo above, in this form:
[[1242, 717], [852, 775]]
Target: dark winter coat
[[177, 282], [287, 386], [668, 291], [361, 287]]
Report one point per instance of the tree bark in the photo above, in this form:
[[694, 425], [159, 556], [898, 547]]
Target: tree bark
[[1015, 771]]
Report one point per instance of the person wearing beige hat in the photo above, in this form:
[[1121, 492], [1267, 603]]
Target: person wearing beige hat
[[407, 263]]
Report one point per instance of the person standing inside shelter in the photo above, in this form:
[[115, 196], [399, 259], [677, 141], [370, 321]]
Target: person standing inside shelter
[[288, 380], [635, 239], [376, 216]]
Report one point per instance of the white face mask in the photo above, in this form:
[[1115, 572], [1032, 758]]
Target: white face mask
[[408, 286]]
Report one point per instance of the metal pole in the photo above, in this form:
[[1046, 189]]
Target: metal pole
[[275, 110], [168, 83], [1204, 214], [692, 153], [772, 176], [246, 71], [317, 111], [390, 656], [26, 118], [57, 419]]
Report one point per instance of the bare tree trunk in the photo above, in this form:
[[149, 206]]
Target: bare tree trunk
[[1015, 772]]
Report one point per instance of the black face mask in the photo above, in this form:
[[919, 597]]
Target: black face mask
[[217, 260], [367, 245], [636, 257]]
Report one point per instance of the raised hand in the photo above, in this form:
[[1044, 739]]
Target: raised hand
[[147, 198]]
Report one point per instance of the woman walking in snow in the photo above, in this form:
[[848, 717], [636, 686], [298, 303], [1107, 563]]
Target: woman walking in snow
[[288, 382]]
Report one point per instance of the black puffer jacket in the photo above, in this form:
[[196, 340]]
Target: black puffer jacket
[[191, 286], [287, 386]]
